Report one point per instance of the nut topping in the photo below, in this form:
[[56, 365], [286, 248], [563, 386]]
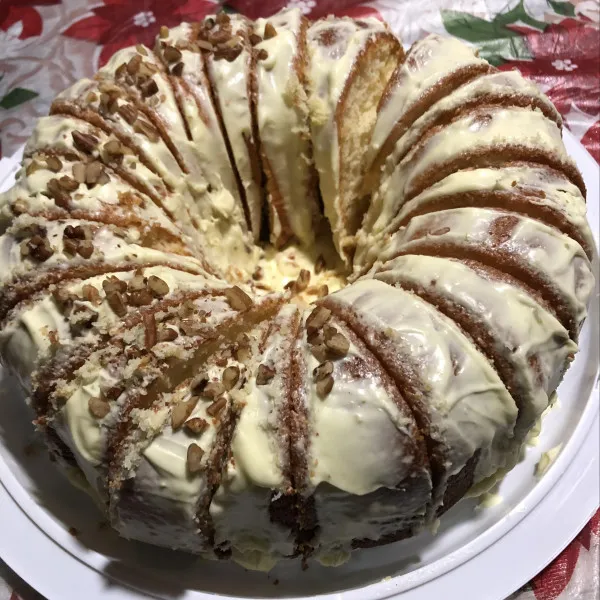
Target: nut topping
[[198, 384], [324, 386], [264, 374], [213, 389], [79, 172], [84, 141], [116, 302], [157, 286], [85, 248], [270, 31], [91, 294], [194, 459], [37, 247], [196, 425], [172, 54], [61, 197], [128, 112], [167, 334], [337, 345], [148, 88], [181, 413], [54, 164], [231, 376], [149, 330], [133, 66], [317, 318], [164, 32], [262, 54], [217, 407], [98, 407], [114, 284], [139, 298], [177, 70], [113, 148], [93, 171], [302, 280], [237, 298], [323, 370]]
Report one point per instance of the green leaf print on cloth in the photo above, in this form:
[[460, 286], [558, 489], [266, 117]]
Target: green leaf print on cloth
[[496, 41], [16, 97]]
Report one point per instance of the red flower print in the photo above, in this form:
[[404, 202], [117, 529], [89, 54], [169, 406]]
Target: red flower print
[[311, 8], [120, 23], [565, 62], [21, 18], [549, 584]]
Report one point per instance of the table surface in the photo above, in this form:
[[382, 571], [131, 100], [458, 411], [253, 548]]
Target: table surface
[[46, 45]]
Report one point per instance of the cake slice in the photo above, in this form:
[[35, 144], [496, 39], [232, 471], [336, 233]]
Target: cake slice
[[38, 252], [92, 403], [478, 138], [350, 63], [49, 185], [497, 88], [461, 406], [253, 509], [540, 256], [220, 203], [433, 68], [527, 345], [367, 475], [282, 114], [231, 63], [82, 310], [75, 138], [530, 189]]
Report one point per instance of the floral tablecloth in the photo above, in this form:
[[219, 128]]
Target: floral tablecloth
[[46, 45]]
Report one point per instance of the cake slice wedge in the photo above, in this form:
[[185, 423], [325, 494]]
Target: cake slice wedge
[[460, 404], [282, 114], [231, 68], [350, 63], [367, 474]]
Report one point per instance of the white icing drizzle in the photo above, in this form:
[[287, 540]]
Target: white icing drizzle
[[493, 128], [469, 406], [428, 61], [559, 260], [521, 327], [282, 113]]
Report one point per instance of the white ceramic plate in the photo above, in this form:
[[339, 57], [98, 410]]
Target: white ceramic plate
[[477, 553]]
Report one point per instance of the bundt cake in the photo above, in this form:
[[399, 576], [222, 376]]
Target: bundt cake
[[275, 289]]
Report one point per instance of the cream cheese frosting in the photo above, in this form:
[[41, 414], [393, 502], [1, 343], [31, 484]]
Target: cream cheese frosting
[[523, 330], [426, 64], [282, 114], [555, 257], [473, 132], [468, 405]]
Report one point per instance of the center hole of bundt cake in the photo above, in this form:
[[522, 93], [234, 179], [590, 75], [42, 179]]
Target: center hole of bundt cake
[[308, 272]]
